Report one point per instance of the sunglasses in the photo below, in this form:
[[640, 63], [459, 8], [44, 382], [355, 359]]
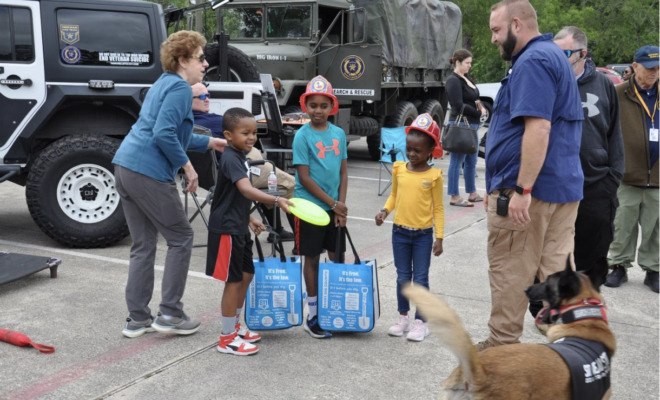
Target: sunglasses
[[569, 53], [202, 96], [201, 58]]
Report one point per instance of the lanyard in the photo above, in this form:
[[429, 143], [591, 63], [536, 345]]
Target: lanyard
[[655, 106]]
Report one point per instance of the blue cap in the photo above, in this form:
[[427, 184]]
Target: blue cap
[[648, 56]]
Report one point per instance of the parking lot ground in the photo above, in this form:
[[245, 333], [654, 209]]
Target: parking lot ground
[[82, 313]]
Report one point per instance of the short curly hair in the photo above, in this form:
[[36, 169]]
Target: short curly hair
[[179, 45]]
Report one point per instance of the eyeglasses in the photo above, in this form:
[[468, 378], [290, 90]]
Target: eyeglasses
[[201, 58], [202, 96], [569, 53]]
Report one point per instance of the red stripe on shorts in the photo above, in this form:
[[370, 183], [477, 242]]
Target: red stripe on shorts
[[221, 270]]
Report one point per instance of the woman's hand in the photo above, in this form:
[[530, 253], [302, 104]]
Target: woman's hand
[[341, 209], [192, 180], [257, 226], [217, 144], [284, 204], [437, 247]]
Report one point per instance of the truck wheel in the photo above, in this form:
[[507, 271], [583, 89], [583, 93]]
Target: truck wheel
[[363, 126], [241, 68], [434, 108], [404, 116], [71, 192], [489, 110]]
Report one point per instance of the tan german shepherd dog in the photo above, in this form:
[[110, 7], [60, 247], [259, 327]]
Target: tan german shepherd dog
[[523, 371]]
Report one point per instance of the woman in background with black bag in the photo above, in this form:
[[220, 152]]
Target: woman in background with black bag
[[464, 100]]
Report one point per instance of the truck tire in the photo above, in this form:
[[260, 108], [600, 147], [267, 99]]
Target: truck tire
[[71, 192], [489, 110], [404, 116], [363, 126], [434, 108], [241, 68]]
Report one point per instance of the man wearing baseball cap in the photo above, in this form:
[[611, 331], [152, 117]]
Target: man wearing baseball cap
[[638, 193]]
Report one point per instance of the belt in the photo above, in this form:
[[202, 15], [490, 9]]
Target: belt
[[411, 229]]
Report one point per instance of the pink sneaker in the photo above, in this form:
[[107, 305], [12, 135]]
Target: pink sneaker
[[401, 326], [418, 331]]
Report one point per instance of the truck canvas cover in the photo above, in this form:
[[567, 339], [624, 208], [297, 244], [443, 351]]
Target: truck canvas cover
[[413, 33]]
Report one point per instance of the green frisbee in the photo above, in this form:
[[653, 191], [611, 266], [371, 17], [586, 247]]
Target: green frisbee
[[309, 212]]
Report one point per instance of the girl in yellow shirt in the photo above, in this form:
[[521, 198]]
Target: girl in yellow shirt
[[417, 197]]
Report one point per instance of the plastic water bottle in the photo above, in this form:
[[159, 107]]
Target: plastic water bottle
[[272, 182]]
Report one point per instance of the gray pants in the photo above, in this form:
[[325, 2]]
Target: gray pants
[[150, 207]]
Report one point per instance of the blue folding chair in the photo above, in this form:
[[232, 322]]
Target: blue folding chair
[[392, 148]]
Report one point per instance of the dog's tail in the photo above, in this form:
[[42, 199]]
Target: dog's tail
[[449, 329]]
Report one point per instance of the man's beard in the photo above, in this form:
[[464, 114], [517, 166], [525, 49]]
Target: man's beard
[[506, 51]]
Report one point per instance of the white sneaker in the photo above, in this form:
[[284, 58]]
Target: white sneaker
[[418, 331], [401, 326]]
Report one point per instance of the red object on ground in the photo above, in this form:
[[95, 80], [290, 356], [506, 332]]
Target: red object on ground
[[20, 340]]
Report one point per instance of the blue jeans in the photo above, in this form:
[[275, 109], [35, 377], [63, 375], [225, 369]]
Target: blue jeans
[[469, 173], [412, 259]]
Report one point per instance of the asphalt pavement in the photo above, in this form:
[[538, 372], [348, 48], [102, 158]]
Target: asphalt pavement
[[82, 313]]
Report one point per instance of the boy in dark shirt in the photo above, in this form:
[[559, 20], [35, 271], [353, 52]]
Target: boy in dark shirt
[[229, 256]]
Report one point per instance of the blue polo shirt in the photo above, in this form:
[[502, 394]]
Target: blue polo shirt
[[541, 84]]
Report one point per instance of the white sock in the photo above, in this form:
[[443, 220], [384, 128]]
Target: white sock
[[311, 303]]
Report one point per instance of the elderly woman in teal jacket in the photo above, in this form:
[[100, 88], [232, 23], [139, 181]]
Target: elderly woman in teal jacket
[[145, 167]]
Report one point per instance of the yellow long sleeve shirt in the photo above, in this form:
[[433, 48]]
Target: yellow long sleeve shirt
[[417, 197]]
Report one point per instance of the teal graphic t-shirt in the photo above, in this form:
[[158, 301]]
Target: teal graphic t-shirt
[[322, 152]]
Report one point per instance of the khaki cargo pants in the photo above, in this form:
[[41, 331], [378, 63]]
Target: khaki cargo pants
[[517, 254]]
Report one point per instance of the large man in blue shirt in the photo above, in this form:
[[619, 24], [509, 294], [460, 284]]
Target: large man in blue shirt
[[532, 157]]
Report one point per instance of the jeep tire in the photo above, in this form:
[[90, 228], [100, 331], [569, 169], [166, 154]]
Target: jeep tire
[[71, 192], [241, 68]]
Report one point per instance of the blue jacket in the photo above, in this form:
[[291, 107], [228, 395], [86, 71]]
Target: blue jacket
[[157, 143]]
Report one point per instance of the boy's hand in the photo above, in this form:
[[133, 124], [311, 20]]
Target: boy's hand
[[284, 204], [341, 209], [192, 180], [257, 226], [380, 218], [437, 247], [340, 221]]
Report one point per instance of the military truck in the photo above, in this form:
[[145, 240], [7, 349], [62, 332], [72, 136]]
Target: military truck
[[386, 59]]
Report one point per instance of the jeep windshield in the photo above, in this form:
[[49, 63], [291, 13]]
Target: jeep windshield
[[243, 22]]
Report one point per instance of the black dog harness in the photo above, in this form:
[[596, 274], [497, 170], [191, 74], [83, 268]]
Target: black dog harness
[[589, 363]]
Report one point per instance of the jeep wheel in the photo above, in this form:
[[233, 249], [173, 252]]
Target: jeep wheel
[[434, 108], [71, 192], [241, 68]]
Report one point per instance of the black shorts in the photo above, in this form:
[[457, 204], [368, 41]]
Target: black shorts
[[228, 256], [312, 239]]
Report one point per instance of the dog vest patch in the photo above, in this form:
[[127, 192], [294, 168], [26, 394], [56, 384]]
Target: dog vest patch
[[589, 363]]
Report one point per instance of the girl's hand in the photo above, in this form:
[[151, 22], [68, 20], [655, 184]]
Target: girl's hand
[[284, 204], [437, 247], [340, 221], [341, 209], [257, 226], [380, 218]]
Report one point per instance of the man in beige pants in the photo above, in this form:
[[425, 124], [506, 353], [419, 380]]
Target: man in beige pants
[[533, 173]]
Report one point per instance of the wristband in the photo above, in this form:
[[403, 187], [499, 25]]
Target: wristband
[[384, 210], [333, 207], [277, 198]]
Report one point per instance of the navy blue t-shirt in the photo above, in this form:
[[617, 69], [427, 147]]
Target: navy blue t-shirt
[[650, 97], [541, 84], [212, 122]]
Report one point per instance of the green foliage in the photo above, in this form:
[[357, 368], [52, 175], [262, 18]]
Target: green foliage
[[615, 29]]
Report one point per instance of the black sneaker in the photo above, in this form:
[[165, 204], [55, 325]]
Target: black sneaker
[[312, 326], [651, 280], [617, 277], [285, 236]]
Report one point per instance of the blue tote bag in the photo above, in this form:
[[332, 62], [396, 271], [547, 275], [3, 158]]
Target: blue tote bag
[[275, 296], [348, 293]]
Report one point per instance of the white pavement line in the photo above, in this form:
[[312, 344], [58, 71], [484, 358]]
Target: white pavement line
[[385, 180], [368, 219], [90, 256]]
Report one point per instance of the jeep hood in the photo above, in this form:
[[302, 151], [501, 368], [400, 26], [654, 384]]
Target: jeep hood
[[275, 51]]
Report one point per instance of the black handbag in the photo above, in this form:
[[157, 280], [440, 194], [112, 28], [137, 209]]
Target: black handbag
[[460, 137]]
